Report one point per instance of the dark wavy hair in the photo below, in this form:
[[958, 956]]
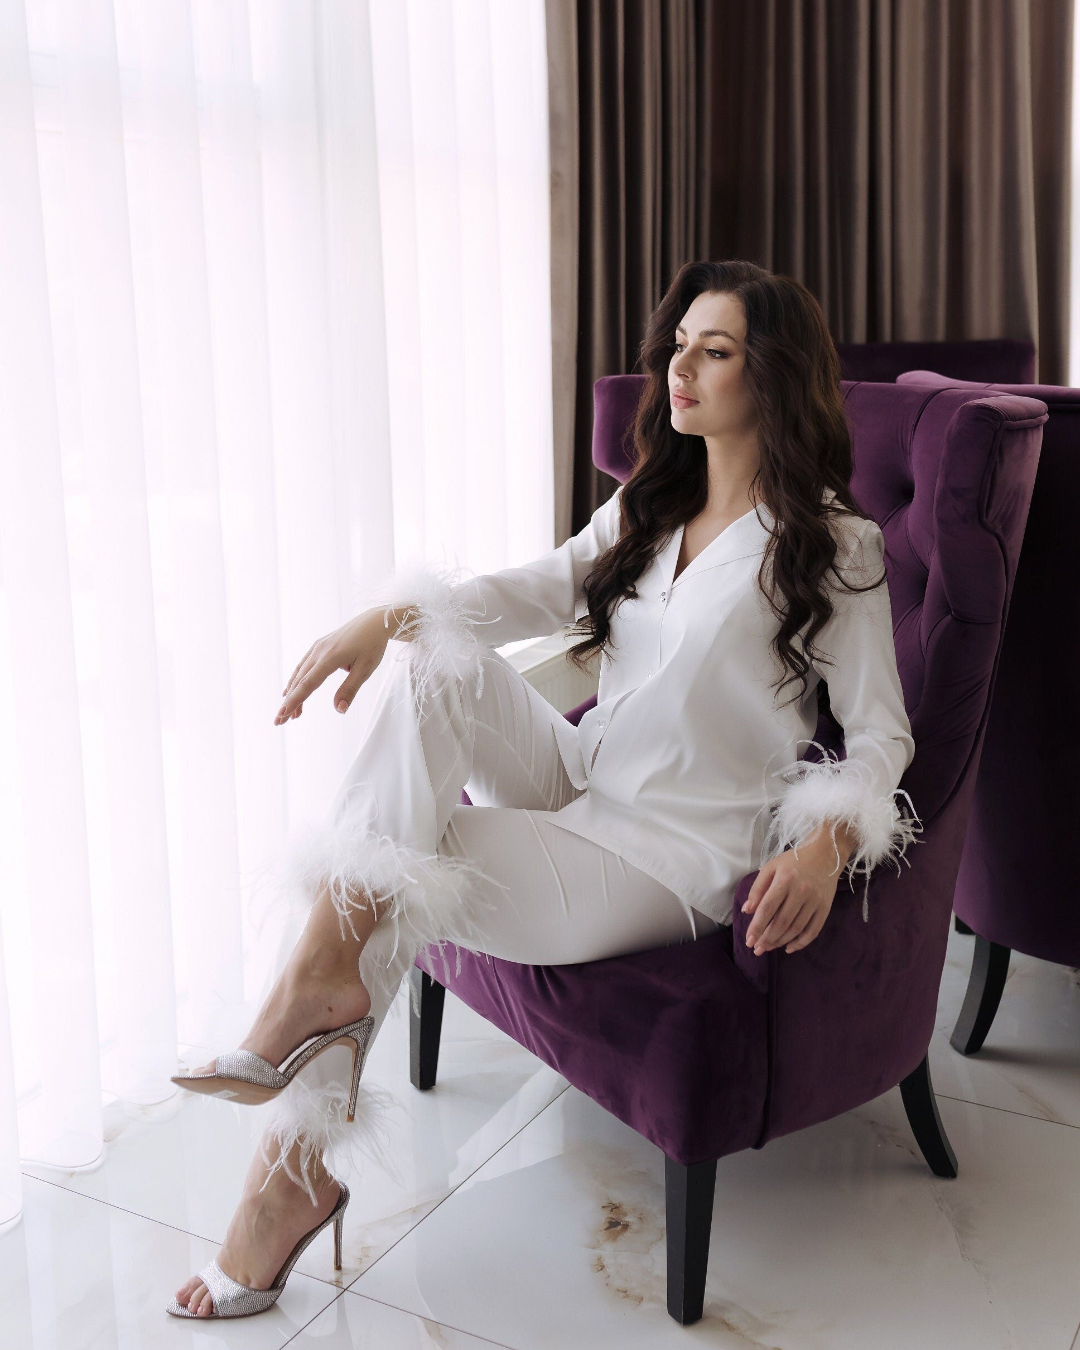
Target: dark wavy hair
[[792, 372]]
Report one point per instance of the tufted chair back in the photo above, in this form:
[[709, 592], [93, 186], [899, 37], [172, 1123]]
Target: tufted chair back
[[948, 476], [1025, 807]]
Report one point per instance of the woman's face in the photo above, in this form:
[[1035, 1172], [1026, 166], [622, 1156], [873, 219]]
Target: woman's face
[[707, 366]]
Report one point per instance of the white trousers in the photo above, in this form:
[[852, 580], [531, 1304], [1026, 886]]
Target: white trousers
[[498, 877]]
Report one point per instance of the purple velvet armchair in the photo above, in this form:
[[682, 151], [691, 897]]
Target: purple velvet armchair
[[1015, 889], [705, 1049]]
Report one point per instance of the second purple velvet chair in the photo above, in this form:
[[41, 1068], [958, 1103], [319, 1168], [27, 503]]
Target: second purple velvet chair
[[705, 1049], [1015, 890]]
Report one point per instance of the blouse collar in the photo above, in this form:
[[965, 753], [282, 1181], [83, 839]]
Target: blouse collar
[[743, 538]]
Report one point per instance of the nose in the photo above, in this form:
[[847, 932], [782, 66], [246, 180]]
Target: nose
[[682, 368]]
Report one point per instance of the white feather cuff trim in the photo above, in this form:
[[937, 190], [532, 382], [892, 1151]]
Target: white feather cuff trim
[[427, 897], [841, 792], [312, 1120], [421, 899], [443, 634]]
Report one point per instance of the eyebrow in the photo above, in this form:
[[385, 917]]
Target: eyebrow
[[710, 332]]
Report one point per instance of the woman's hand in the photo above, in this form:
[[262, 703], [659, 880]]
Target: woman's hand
[[357, 646], [792, 895]]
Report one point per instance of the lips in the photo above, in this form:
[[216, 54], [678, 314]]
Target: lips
[[681, 401]]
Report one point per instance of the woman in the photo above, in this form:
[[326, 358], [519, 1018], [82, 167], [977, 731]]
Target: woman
[[733, 564]]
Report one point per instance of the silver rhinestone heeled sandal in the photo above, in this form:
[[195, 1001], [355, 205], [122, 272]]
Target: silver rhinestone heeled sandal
[[238, 1300], [245, 1077]]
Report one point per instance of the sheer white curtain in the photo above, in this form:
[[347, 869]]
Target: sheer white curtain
[[274, 319]]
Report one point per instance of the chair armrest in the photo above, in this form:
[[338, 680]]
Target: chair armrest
[[757, 969], [847, 1015]]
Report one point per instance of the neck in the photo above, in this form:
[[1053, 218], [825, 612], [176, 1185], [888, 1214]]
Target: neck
[[733, 462]]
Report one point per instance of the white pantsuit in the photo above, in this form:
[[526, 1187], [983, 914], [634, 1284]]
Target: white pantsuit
[[497, 877], [633, 829]]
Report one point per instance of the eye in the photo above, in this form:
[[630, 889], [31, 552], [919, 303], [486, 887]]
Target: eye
[[712, 351]]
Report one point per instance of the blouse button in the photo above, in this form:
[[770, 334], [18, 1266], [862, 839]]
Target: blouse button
[[663, 595]]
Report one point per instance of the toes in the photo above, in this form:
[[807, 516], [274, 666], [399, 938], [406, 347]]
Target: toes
[[196, 1296], [206, 1307], [184, 1293]]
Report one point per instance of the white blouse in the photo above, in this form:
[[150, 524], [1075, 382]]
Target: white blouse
[[691, 771]]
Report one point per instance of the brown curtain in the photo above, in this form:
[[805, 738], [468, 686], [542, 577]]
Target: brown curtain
[[908, 160], [640, 102]]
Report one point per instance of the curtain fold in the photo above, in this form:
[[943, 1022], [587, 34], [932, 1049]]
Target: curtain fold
[[644, 96], [562, 64], [908, 160], [274, 319]]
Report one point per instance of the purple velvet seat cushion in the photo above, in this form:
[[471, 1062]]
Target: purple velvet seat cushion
[[671, 1041]]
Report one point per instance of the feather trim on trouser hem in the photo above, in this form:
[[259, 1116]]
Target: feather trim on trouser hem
[[313, 1119], [442, 636], [842, 792], [428, 898], [421, 899]]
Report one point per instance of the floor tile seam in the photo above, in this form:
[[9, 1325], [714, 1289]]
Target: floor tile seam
[[120, 1209], [314, 1318], [163, 1223], [461, 1183], [342, 1287], [1007, 1110], [330, 1283], [502, 1345], [160, 1223], [340, 1290]]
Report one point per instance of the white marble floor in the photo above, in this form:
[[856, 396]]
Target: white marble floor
[[523, 1215]]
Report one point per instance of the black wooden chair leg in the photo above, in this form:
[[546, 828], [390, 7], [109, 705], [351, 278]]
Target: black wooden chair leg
[[989, 968], [922, 1113], [690, 1189], [961, 926], [426, 999]]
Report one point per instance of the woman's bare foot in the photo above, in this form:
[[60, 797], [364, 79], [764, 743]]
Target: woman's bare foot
[[319, 989], [265, 1228], [300, 1006]]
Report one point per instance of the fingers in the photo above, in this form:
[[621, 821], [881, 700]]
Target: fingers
[[300, 673], [781, 922], [345, 695], [788, 924], [308, 682], [767, 907], [809, 933], [299, 666], [758, 889], [360, 671]]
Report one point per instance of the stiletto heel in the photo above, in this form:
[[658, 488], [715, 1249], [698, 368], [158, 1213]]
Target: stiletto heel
[[245, 1077], [232, 1299], [359, 1055]]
